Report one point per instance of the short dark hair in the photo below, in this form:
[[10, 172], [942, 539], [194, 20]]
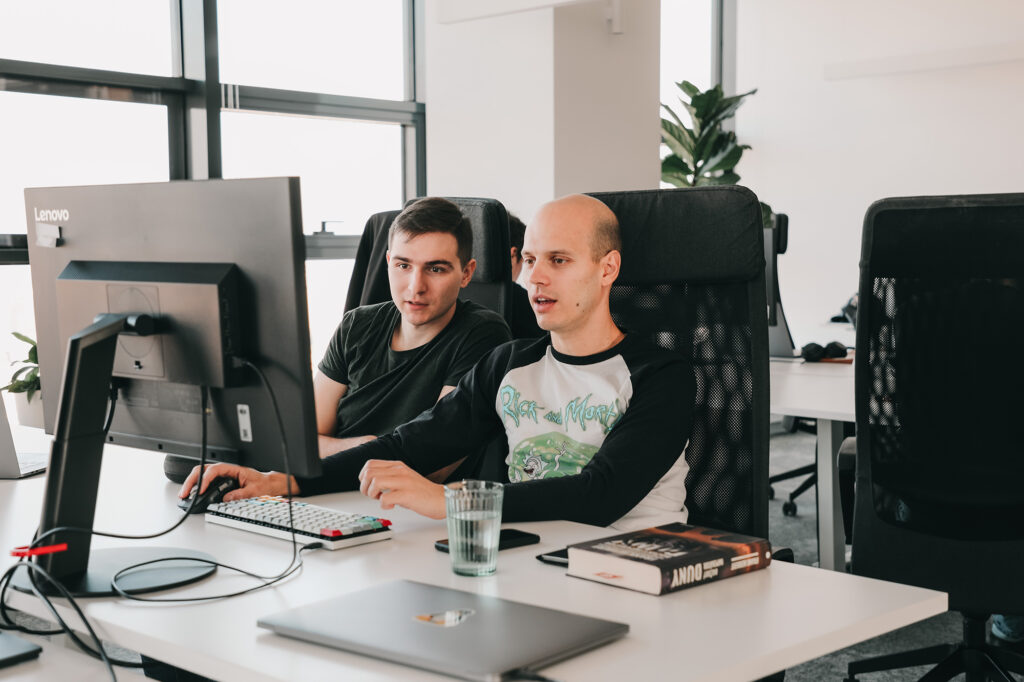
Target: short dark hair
[[516, 233], [607, 236], [434, 214]]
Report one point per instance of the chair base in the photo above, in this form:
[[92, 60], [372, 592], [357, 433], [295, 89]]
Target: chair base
[[977, 660], [789, 507]]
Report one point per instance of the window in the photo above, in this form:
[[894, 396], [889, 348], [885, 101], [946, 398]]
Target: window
[[348, 169], [96, 93], [49, 141], [342, 47], [685, 46], [115, 35]]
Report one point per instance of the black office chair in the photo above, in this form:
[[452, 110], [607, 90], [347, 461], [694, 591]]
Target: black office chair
[[692, 280], [369, 283], [939, 497], [491, 285]]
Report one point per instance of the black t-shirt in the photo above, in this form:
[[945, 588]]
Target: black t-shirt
[[387, 387]]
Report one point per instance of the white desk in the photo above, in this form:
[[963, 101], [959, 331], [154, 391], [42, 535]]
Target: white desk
[[822, 391], [738, 629], [62, 660]]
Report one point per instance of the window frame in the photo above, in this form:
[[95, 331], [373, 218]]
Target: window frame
[[194, 97]]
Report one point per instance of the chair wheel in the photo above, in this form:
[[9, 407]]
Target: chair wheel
[[771, 493], [789, 508]]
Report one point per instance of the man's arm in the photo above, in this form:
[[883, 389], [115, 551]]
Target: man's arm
[[461, 423], [635, 455], [326, 394], [441, 475]]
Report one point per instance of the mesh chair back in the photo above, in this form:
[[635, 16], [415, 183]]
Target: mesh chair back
[[491, 285], [692, 280], [940, 468]]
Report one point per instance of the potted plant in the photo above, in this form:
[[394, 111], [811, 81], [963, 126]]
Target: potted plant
[[25, 386], [704, 153]]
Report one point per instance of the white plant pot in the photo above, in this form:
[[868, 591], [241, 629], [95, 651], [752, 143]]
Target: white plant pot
[[29, 413]]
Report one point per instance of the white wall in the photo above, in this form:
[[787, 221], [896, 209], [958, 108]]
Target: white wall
[[860, 101], [608, 127], [524, 107], [490, 114]]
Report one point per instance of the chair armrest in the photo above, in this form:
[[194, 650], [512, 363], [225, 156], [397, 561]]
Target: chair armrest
[[783, 554], [846, 466]]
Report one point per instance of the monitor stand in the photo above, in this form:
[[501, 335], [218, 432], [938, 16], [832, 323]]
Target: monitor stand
[[73, 481]]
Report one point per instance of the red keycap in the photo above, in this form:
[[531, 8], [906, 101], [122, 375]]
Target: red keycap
[[330, 532]]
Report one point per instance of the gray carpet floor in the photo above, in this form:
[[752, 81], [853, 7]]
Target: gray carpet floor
[[789, 451]]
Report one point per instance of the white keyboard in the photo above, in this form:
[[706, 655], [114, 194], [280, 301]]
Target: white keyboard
[[269, 516]]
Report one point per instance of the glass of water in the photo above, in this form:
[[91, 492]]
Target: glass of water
[[474, 524]]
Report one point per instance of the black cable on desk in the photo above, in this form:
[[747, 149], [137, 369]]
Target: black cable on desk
[[294, 565], [296, 562]]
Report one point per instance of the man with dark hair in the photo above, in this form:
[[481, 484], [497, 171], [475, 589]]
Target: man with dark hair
[[596, 420], [521, 321], [390, 361]]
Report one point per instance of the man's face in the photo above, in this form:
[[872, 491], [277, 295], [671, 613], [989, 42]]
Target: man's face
[[564, 280], [425, 275]]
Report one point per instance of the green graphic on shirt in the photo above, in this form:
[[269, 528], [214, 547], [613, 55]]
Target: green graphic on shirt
[[513, 406], [580, 411], [548, 456], [554, 417]]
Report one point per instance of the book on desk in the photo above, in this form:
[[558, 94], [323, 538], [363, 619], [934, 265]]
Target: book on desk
[[667, 558]]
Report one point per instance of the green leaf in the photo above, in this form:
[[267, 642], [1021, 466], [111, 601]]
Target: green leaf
[[702, 150], [676, 180], [706, 102], [22, 337], [678, 139], [726, 160], [725, 108], [689, 88], [675, 171], [17, 375], [724, 179], [675, 117], [31, 392], [33, 355]]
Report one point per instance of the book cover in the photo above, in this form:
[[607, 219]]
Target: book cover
[[668, 558]]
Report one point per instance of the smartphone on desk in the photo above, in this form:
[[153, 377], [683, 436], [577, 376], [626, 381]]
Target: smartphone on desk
[[510, 537], [559, 557]]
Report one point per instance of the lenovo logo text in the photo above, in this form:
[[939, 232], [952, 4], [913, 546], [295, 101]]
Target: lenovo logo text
[[52, 215]]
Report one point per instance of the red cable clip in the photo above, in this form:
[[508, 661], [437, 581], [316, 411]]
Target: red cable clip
[[36, 551]]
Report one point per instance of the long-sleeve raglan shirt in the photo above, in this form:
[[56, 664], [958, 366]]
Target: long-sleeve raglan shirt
[[597, 439]]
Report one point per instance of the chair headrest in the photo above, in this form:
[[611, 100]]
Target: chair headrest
[[489, 222], [700, 234]]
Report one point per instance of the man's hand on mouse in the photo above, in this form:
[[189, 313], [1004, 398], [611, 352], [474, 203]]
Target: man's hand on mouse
[[251, 483]]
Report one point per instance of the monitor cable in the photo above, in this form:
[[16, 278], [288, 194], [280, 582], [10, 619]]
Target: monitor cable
[[296, 561], [8, 623]]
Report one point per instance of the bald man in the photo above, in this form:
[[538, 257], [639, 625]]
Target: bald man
[[596, 420]]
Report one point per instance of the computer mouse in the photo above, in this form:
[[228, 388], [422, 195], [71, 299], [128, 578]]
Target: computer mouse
[[214, 493]]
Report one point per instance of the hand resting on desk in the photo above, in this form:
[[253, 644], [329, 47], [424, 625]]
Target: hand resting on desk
[[394, 483], [251, 483]]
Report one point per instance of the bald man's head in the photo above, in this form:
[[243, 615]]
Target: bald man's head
[[605, 235]]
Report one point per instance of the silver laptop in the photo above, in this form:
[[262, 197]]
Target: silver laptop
[[466, 635], [14, 464]]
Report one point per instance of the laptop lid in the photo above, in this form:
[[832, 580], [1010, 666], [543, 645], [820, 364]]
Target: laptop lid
[[457, 633], [11, 466]]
